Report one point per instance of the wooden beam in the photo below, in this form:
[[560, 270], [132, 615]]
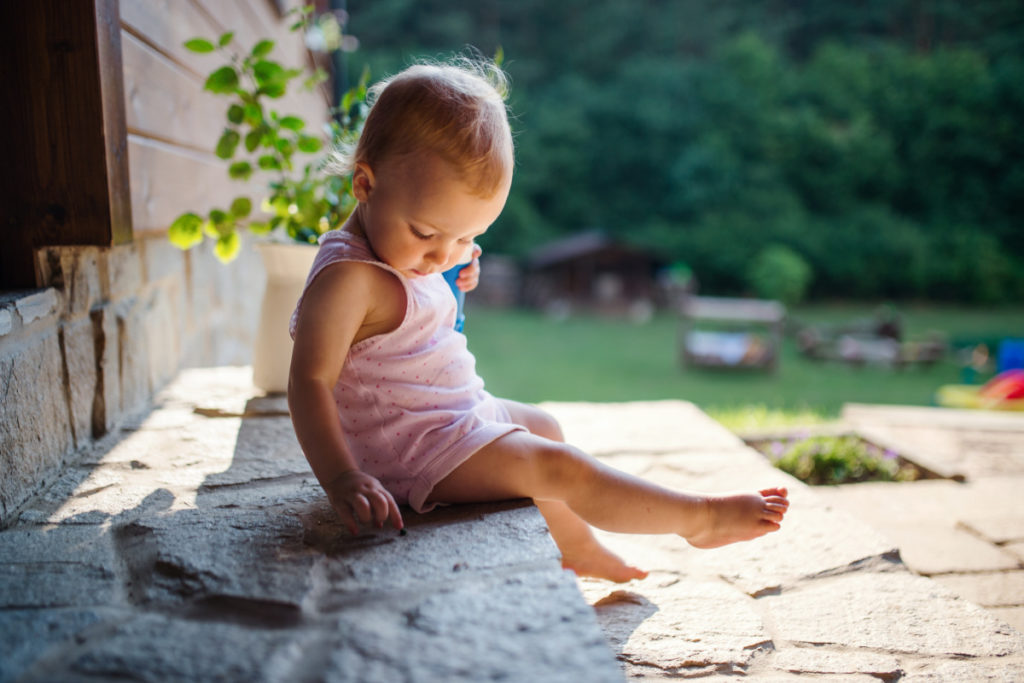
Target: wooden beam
[[65, 174]]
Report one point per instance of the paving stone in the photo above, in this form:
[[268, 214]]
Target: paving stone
[[29, 635], [893, 612], [929, 549], [817, 660], [201, 555], [153, 647], [814, 540], [439, 547], [987, 590], [58, 567], [998, 671], [528, 627], [998, 529], [682, 627], [1014, 616], [1016, 549], [641, 426]]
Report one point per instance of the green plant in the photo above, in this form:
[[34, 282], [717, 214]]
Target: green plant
[[837, 460], [302, 200], [780, 273]]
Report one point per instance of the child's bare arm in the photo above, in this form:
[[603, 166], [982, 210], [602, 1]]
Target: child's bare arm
[[337, 310]]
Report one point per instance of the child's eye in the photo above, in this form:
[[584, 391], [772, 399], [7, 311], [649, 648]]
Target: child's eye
[[418, 234]]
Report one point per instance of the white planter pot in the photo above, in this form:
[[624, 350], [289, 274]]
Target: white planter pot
[[287, 266]]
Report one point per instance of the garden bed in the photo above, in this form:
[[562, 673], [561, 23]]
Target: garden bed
[[828, 458]]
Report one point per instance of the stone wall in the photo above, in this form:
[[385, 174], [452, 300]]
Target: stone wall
[[115, 326], [109, 326]]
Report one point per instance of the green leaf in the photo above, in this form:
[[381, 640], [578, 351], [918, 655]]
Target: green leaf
[[227, 246], [241, 207], [210, 229], [274, 90], [218, 217], [310, 144], [222, 81], [260, 227], [186, 231], [225, 38], [252, 139], [253, 115], [200, 45], [268, 73], [269, 163], [227, 144], [262, 48], [293, 123], [236, 114], [240, 170]]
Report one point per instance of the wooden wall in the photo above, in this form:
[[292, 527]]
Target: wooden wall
[[172, 123]]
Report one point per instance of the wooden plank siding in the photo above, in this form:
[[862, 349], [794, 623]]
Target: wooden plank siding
[[173, 124]]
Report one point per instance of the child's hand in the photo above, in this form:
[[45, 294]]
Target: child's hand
[[469, 276], [359, 498]]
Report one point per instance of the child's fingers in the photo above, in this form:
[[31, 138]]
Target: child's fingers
[[361, 508], [379, 501], [349, 521], [394, 515]]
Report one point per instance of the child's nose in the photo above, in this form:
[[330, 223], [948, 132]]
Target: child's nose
[[440, 254]]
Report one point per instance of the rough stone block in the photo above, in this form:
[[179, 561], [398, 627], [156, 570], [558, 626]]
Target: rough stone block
[[107, 399], [79, 342], [124, 272], [894, 612], [191, 556], [816, 660], [527, 627], [30, 635], [987, 590], [1003, 528], [76, 273], [938, 549], [153, 647], [38, 305], [679, 628], [133, 355], [640, 427], [1014, 616], [161, 259], [162, 321], [61, 567], [447, 544], [35, 425], [1000, 671], [6, 321]]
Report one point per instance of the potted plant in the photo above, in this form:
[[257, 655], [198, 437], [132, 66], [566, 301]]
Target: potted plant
[[301, 200]]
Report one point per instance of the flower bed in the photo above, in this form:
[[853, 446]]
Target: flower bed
[[836, 459]]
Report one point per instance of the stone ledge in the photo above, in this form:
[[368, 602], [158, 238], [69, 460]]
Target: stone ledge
[[190, 546]]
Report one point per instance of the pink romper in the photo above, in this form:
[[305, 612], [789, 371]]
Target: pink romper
[[412, 407]]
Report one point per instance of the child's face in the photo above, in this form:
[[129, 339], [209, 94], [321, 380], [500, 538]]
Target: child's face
[[418, 216]]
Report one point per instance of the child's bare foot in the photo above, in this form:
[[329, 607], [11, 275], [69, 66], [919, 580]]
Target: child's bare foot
[[740, 517], [597, 561]]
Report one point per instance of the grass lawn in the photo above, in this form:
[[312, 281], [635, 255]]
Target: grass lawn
[[524, 356]]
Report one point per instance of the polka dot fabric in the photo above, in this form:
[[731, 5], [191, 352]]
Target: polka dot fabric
[[411, 405]]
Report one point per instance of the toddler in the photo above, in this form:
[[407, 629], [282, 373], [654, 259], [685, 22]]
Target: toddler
[[382, 390]]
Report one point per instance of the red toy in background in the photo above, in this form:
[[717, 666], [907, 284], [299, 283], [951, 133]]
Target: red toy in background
[[1005, 391]]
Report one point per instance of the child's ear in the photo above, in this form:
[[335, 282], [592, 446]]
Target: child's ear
[[362, 181]]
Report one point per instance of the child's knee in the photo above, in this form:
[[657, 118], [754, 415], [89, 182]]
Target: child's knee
[[547, 426]]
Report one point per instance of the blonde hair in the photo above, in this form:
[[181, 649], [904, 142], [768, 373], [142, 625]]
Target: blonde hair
[[455, 110]]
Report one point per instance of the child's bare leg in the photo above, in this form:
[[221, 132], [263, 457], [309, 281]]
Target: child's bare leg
[[581, 552], [527, 466]]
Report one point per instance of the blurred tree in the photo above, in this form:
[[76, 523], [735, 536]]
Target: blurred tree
[[877, 139]]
